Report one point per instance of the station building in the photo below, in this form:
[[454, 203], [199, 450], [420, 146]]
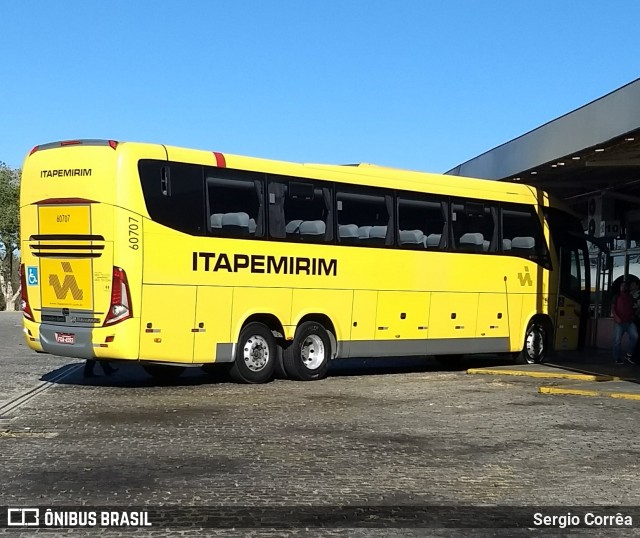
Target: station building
[[590, 159]]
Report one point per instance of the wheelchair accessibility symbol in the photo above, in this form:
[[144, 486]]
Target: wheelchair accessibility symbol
[[32, 276]]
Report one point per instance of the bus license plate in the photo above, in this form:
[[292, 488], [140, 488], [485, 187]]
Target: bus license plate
[[65, 338]]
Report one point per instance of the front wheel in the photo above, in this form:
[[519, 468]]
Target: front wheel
[[255, 355], [535, 345], [308, 356]]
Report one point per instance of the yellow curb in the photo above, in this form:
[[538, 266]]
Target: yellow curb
[[585, 392], [548, 375]]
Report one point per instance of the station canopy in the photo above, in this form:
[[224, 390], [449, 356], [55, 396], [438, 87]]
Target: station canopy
[[594, 150]]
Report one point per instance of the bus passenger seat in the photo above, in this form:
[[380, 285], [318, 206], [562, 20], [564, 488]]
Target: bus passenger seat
[[216, 220], [293, 228], [523, 245], [252, 226], [378, 234], [471, 241], [236, 223], [313, 229], [348, 234], [412, 237], [363, 233], [485, 245], [506, 244], [433, 240]]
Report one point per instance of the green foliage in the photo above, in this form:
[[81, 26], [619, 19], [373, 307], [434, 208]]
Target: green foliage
[[9, 206], [9, 232]]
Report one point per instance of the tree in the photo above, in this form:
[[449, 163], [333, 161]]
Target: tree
[[9, 232]]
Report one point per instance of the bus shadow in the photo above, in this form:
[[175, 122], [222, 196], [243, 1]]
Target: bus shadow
[[406, 365], [132, 375], [128, 376]]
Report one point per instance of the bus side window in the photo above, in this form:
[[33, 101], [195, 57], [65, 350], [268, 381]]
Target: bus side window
[[173, 195], [522, 234], [300, 210], [474, 225], [367, 210], [235, 202], [421, 221]]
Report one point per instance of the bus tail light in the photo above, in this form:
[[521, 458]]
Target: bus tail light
[[120, 307], [24, 298], [113, 144]]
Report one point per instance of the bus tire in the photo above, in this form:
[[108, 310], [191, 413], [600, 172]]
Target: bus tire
[[163, 372], [255, 355], [535, 345], [309, 355], [281, 371]]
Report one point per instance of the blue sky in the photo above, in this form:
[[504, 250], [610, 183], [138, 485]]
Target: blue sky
[[415, 84]]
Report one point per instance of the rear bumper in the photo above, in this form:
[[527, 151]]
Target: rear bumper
[[102, 343], [79, 342]]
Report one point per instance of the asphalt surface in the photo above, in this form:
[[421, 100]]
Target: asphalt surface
[[375, 449]]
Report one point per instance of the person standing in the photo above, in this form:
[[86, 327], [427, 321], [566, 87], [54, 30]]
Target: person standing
[[634, 291], [622, 312], [90, 365]]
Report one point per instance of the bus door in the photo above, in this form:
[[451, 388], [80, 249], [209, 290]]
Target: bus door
[[572, 297]]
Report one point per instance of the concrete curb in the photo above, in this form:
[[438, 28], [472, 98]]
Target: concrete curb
[[612, 389], [591, 385], [543, 374]]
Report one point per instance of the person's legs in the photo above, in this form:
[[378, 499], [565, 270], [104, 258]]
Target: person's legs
[[89, 365], [617, 339], [107, 368], [632, 331]]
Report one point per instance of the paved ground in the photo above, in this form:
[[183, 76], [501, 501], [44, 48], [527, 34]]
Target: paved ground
[[417, 443]]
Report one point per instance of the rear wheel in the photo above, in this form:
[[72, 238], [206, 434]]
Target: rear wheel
[[535, 345], [309, 355], [255, 355], [163, 372]]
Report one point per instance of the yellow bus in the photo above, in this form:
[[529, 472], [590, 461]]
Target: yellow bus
[[176, 257]]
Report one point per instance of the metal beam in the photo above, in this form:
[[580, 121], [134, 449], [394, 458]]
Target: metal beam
[[596, 123]]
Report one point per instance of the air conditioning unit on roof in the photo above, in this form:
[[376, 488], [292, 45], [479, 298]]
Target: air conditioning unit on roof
[[599, 210]]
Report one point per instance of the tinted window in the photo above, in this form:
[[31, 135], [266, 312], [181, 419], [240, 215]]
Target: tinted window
[[174, 195], [421, 222], [235, 203], [522, 234], [300, 210], [474, 225], [367, 212]]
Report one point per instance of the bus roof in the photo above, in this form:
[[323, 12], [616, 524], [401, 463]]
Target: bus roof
[[364, 173]]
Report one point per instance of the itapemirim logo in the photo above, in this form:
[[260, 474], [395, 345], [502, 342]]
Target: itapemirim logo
[[69, 284], [525, 278]]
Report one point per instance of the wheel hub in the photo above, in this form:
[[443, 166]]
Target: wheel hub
[[535, 345], [313, 352], [256, 353]]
